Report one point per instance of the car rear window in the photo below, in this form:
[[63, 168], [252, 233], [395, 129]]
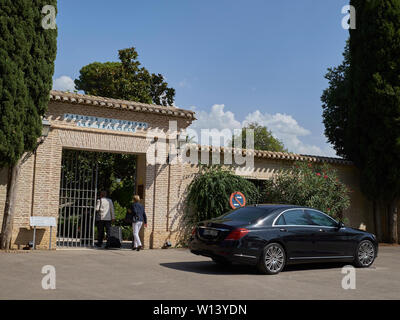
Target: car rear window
[[249, 214]]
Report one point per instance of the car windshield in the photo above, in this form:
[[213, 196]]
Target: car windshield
[[250, 214]]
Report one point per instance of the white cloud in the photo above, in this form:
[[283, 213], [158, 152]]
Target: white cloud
[[278, 122], [218, 120], [64, 83], [283, 127]]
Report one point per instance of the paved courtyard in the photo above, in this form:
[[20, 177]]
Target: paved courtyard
[[178, 274]]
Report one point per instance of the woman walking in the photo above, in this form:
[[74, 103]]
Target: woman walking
[[139, 217]]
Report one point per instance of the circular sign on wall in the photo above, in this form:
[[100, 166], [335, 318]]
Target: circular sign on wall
[[237, 200]]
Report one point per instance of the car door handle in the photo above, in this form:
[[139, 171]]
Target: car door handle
[[322, 230], [283, 230]]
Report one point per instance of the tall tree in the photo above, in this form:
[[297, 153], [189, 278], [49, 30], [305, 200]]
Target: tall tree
[[27, 54], [362, 105], [335, 101], [374, 113], [125, 80], [263, 138]]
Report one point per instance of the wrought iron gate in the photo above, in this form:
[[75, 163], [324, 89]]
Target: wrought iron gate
[[77, 204]]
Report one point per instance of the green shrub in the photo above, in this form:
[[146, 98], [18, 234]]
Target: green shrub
[[208, 197], [315, 186], [209, 192], [120, 213], [127, 233]]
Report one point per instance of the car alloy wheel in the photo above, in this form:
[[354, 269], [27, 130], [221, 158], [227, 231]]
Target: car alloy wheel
[[365, 254], [273, 259]]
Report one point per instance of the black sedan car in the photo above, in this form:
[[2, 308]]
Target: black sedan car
[[272, 236]]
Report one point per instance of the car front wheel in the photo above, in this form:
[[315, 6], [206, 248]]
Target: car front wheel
[[365, 254], [273, 259]]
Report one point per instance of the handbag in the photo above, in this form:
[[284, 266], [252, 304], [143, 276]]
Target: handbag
[[130, 218]]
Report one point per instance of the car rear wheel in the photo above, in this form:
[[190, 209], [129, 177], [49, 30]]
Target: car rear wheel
[[365, 254], [273, 259]]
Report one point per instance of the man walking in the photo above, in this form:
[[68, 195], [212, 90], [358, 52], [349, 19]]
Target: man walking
[[104, 216]]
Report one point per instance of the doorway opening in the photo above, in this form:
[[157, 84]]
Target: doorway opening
[[84, 174]]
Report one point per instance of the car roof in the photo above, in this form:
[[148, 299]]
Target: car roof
[[273, 210], [276, 206]]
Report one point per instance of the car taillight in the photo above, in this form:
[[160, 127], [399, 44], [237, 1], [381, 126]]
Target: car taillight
[[237, 234], [194, 231]]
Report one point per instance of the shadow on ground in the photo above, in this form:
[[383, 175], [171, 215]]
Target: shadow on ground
[[314, 266], [209, 267]]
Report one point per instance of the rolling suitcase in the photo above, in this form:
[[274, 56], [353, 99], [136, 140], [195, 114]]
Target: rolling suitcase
[[115, 237]]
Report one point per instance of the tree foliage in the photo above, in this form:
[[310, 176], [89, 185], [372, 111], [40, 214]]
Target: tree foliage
[[27, 54], [314, 186], [374, 113], [362, 104], [263, 138], [336, 99], [209, 192], [125, 80]]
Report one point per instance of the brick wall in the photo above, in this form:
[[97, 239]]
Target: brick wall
[[39, 181], [165, 186]]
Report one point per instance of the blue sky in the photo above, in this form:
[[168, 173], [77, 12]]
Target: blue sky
[[231, 61]]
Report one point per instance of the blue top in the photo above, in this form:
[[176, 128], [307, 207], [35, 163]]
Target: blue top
[[138, 211]]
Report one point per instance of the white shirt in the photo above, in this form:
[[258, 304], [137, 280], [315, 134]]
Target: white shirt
[[105, 208]]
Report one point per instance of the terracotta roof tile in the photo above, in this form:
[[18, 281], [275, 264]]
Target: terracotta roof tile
[[70, 97], [273, 155]]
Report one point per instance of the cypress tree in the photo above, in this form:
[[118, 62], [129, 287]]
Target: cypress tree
[[373, 128], [335, 105], [27, 54]]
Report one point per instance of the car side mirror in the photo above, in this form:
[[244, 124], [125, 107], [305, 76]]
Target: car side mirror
[[340, 225]]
